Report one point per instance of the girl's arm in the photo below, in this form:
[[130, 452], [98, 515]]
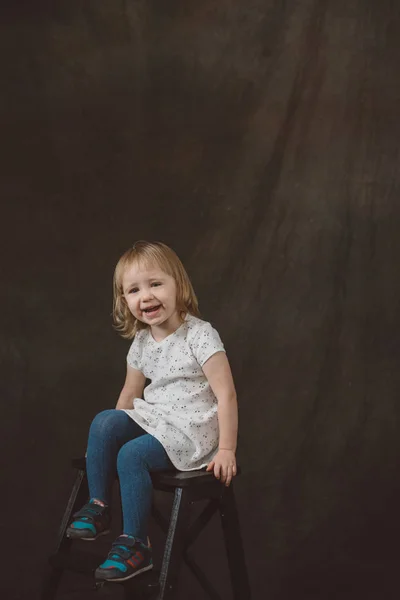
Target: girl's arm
[[219, 375], [133, 388]]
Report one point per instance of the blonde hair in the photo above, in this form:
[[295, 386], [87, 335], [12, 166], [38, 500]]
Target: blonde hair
[[150, 254]]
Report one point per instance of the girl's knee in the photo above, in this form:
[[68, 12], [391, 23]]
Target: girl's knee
[[130, 457], [107, 420]]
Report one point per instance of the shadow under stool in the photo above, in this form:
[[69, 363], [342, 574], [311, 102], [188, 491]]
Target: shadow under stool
[[187, 487]]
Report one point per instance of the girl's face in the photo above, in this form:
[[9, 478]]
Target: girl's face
[[151, 296]]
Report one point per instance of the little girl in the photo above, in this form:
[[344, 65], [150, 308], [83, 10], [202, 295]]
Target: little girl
[[185, 419]]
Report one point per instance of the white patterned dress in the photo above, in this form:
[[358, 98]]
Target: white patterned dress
[[179, 407]]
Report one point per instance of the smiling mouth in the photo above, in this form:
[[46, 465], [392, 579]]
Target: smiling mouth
[[151, 309]]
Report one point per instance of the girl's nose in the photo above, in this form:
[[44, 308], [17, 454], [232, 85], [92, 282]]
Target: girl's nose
[[147, 294]]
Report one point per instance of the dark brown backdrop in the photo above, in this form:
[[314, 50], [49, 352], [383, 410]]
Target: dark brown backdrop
[[260, 140]]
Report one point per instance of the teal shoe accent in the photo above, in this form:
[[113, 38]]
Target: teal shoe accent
[[113, 563], [83, 525], [127, 558], [90, 522]]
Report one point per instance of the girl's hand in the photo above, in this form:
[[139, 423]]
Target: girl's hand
[[224, 466]]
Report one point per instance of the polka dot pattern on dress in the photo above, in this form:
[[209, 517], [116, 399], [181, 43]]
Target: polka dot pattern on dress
[[179, 407]]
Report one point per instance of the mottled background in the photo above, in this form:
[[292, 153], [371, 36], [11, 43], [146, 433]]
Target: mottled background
[[261, 140]]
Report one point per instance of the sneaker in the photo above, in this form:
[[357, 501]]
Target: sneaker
[[90, 522], [127, 558]]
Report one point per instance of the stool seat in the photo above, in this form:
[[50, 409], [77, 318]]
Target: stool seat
[[172, 478], [187, 487]]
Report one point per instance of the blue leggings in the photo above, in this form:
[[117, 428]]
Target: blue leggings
[[117, 444]]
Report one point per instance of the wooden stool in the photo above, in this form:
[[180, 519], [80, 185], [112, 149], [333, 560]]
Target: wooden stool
[[187, 487]]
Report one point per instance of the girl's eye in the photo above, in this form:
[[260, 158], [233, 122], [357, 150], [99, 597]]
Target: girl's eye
[[133, 290], [156, 284]]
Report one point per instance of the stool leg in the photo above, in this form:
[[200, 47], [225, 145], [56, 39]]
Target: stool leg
[[174, 545], [77, 497], [234, 546]]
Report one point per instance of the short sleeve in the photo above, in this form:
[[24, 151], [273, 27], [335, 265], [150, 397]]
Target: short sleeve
[[133, 357], [206, 343]]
